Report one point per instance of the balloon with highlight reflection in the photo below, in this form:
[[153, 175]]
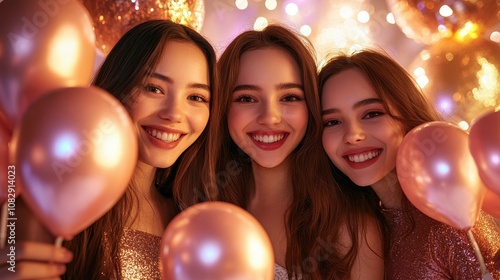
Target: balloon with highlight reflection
[[216, 240], [438, 175], [4, 162], [491, 204], [75, 151], [484, 144], [112, 18], [427, 21], [44, 45], [461, 79]]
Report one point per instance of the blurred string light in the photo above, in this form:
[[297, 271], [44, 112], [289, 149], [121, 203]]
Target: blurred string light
[[305, 30], [241, 4], [291, 9], [271, 4], [348, 27], [260, 23], [495, 36], [390, 18]]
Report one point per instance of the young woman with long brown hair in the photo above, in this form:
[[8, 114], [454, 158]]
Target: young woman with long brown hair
[[164, 74], [273, 165], [369, 103]]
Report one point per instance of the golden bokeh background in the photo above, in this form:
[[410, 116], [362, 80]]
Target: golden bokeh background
[[112, 18], [461, 78]]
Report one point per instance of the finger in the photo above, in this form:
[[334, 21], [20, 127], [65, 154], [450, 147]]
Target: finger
[[35, 251], [33, 270]]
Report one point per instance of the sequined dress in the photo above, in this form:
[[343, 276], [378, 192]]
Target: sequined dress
[[280, 273], [139, 255], [437, 251]]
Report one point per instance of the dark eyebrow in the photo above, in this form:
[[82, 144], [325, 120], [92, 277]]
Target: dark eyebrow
[[171, 81], [281, 86], [356, 105], [246, 87]]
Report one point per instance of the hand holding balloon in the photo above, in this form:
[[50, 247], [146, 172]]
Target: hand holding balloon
[[216, 240]]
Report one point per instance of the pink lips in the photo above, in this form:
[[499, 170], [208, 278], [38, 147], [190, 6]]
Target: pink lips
[[268, 146], [162, 144], [364, 164]]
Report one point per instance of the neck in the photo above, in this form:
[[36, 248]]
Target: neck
[[389, 191], [272, 185], [143, 180]]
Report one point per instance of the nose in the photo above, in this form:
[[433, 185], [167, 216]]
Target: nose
[[270, 113], [354, 133], [171, 108]]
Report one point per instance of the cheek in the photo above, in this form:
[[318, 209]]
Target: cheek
[[329, 144], [199, 120]]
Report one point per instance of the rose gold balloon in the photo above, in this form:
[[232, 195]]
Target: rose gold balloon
[[484, 144], [461, 79], [216, 240], [491, 204], [4, 162], [438, 174], [112, 18], [427, 21], [75, 151], [44, 45]]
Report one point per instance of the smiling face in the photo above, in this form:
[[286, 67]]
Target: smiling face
[[172, 108], [359, 136], [268, 114]]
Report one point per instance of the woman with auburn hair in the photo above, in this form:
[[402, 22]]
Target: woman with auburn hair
[[369, 103], [164, 74], [271, 132]]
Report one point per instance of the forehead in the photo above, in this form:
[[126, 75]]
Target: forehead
[[269, 64], [348, 86], [184, 56]]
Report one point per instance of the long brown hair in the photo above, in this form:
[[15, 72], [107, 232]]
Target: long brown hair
[[401, 97], [318, 209], [188, 181]]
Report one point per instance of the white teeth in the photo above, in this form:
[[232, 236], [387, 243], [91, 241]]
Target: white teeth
[[364, 157], [164, 136], [268, 138]]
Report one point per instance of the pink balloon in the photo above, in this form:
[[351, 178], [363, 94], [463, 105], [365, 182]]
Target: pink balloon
[[44, 45], [216, 240], [484, 144], [438, 174], [75, 151], [491, 204], [4, 162]]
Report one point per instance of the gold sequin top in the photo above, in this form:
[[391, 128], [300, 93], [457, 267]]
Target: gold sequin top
[[433, 250], [140, 255]]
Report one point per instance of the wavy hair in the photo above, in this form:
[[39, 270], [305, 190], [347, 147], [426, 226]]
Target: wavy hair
[[126, 67]]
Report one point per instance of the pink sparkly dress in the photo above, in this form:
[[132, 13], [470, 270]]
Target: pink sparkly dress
[[436, 251], [139, 256]]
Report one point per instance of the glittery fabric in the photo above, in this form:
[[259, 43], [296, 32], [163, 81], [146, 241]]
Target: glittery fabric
[[280, 273], [433, 250], [139, 255]]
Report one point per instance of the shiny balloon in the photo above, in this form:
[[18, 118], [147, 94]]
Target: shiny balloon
[[44, 45], [427, 21], [4, 162], [112, 18], [461, 79], [491, 204], [75, 151], [438, 175], [216, 240], [484, 144]]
